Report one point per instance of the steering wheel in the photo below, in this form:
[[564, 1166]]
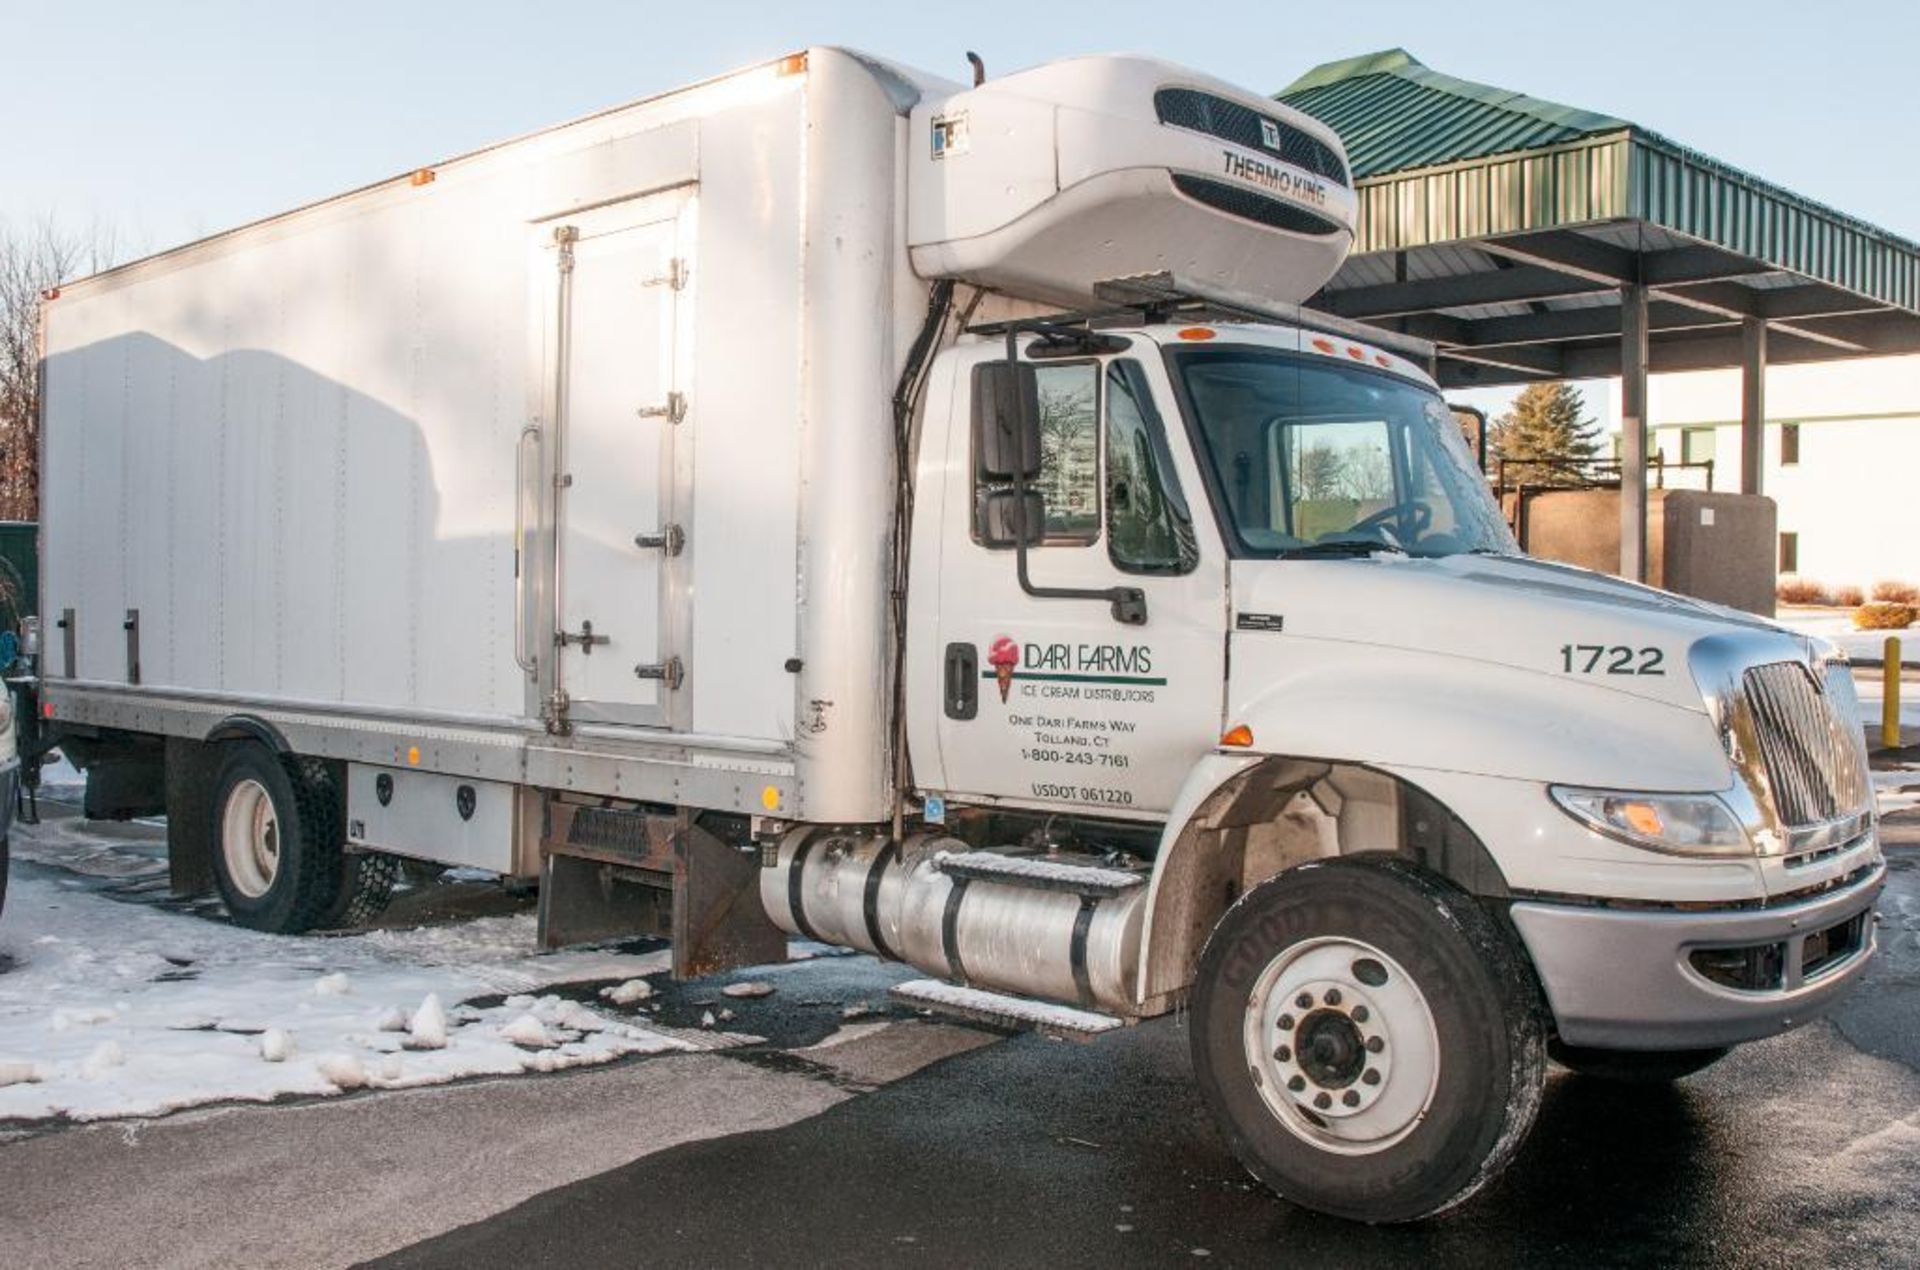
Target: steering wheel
[[1422, 517]]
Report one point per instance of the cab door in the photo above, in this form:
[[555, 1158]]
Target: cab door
[[1052, 701]]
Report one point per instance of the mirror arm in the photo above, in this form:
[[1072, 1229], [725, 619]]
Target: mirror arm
[[1128, 604]]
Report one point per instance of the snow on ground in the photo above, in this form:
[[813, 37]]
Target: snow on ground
[[119, 1008]]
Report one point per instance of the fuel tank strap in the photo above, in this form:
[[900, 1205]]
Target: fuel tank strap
[[796, 892], [950, 930], [876, 873], [1082, 926]]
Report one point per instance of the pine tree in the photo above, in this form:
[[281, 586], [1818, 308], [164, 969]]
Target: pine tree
[[1546, 435]]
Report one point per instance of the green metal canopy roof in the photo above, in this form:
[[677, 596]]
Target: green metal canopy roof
[[1502, 227]]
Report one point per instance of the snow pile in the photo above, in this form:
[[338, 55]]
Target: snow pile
[[114, 1008]]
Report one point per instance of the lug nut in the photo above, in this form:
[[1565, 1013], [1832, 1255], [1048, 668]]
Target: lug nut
[[1285, 1022], [1283, 1053], [1322, 1101], [1370, 1077], [1297, 1084], [1375, 1045], [1361, 1014], [1351, 1098], [1304, 1001], [1333, 996]]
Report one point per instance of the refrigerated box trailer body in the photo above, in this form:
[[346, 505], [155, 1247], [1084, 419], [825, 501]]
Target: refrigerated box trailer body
[[710, 507]]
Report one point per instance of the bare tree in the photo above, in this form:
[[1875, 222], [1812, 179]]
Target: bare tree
[[34, 259]]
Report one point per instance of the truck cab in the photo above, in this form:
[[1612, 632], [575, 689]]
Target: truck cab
[[1242, 586]]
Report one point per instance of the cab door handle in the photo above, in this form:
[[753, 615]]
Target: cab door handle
[[962, 681]]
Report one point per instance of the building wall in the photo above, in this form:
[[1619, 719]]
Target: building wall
[[1850, 500]]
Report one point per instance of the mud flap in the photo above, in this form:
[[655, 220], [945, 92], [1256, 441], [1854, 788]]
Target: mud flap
[[718, 920]]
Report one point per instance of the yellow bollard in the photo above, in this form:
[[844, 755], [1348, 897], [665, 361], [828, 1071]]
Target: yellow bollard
[[1890, 694]]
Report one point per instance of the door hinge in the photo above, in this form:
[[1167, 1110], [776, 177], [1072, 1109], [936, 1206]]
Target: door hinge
[[675, 276], [673, 411], [669, 672], [670, 541], [555, 714], [583, 637], [564, 237]]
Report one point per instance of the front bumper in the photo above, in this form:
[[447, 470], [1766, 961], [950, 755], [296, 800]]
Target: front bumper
[[1638, 979]]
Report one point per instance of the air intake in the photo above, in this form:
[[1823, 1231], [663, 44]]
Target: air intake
[[1243, 126]]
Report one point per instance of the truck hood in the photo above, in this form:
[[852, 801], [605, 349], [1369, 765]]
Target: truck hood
[[1508, 611]]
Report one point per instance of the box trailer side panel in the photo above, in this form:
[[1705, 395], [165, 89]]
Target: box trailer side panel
[[296, 457]]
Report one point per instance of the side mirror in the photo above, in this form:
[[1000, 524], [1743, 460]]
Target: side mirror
[[1473, 427], [1006, 421]]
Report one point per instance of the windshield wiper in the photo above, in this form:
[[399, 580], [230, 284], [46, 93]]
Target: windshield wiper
[[1342, 547]]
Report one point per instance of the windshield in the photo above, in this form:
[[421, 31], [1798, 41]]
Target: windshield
[[1312, 457]]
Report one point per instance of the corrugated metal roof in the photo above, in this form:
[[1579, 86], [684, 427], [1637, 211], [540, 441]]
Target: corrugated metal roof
[[1442, 160], [1394, 113]]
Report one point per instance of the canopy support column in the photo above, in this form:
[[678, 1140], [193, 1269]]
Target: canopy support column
[[1633, 432], [1753, 405]]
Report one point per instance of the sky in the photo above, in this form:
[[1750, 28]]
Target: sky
[[166, 122]]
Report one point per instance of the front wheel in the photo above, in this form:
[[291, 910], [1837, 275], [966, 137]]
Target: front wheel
[[1368, 1039]]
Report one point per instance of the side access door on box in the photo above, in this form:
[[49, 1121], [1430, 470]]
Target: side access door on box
[[615, 354]]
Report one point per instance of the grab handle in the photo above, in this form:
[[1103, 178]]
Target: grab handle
[[522, 555]]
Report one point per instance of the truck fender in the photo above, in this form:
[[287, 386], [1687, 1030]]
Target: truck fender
[[1240, 819], [247, 727]]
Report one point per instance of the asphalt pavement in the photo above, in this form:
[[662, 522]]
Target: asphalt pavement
[[859, 1134]]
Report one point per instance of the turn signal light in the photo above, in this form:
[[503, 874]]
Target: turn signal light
[[1239, 736]]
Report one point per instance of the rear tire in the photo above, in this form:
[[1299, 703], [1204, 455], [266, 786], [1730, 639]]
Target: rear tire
[[1635, 1067], [276, 837], [6, 862], [366, 887], [1368, 1039]]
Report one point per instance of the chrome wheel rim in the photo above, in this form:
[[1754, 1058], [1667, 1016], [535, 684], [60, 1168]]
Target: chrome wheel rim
[[250, 838], [1342, 1045]]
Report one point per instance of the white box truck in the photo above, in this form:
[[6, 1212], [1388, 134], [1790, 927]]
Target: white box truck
[[831, 500]]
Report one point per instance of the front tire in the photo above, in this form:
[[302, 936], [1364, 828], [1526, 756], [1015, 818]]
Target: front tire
[[1368, 1039]]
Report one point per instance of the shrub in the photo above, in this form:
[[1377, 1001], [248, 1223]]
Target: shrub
[[1797, 590], [1882, 616], [1847, 597], [1896, 592]]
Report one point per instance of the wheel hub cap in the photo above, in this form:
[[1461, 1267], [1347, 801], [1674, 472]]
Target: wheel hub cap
[[250, 838], [1342, 1045]]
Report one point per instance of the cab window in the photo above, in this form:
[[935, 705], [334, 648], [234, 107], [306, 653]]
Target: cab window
[[1148, 527]]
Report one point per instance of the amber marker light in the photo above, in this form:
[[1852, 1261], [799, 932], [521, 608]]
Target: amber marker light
[[1239, 737], [422, 176], [1643, 818], [1197, 333], [1325, 346], [413, 756], [792, 64]]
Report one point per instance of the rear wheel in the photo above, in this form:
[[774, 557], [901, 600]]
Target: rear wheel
[[1635, 1067], [1368, 1039], [277, 842]]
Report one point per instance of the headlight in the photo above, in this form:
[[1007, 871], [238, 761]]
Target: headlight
[[1680, 824]]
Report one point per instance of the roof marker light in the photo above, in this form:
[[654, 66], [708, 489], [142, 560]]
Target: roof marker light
[[422, 176], [1357, 353], [1196, 333], [1383, 359], [792, 64], [1325, 346]]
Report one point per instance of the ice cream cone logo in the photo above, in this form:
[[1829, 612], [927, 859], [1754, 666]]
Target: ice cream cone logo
[[1003, 657]]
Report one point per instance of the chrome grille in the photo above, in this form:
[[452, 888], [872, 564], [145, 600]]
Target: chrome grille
[[1807, 732]]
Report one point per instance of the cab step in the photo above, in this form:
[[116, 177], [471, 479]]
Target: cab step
[[977, 1005], [1040, 873]]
